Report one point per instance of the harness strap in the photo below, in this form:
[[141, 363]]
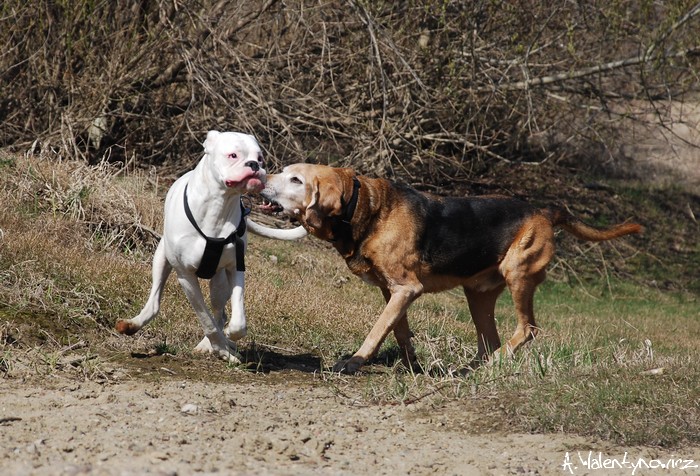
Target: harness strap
[[215, 246]]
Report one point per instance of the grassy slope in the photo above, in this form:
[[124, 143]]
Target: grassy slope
[[616, 358]]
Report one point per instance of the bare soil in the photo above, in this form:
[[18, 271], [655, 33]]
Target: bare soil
[[167, 414], [668, 153]]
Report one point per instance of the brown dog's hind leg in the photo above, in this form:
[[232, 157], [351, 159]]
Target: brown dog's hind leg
[[523, 292], [524, 268], [482, 307]]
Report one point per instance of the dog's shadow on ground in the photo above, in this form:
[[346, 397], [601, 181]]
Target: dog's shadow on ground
[[257, 358], [266, 359]]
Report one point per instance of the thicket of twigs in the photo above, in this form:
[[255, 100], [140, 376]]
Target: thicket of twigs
[[428, 90]]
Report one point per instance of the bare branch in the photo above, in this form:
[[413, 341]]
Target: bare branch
[[582, 73]]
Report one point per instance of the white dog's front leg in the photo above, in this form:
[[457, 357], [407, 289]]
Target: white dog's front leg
[[219, 291], [237, 327], [214, 340]]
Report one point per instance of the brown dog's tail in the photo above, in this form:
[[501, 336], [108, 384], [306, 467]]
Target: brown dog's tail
[[560, 217]]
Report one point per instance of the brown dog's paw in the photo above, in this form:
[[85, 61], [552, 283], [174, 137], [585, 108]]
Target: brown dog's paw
[[126, 327], [348, 366], [413, 365], [465, 372]]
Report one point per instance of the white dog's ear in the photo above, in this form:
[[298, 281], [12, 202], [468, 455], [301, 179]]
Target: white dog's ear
[[210, 141]]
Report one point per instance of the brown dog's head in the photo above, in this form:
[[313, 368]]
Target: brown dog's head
[[312, 194]]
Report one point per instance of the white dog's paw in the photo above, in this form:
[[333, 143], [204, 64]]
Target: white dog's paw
[[235, 332], [228, 352], [230, 357], [204, 346]]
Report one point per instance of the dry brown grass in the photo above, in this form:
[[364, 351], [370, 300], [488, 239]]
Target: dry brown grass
[[63, 225]]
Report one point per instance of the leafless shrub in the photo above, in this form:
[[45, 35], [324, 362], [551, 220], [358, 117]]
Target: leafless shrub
[[431, 90], [115, 216]]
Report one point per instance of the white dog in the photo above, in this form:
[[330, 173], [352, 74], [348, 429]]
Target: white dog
[[204, 236]]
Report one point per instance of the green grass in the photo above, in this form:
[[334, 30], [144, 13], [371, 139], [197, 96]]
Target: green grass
[[621, 367], [614, 359]]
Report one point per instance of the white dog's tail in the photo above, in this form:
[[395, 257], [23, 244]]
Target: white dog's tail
[[277, 233]]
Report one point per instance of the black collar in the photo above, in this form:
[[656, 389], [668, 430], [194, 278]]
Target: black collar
[[352, 204], [341, 227]]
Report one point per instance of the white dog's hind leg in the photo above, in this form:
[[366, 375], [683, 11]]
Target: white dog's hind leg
[[237, 327], [160, 272], [214, 340]]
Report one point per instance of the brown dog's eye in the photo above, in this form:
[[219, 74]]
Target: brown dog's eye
[[295, 180]]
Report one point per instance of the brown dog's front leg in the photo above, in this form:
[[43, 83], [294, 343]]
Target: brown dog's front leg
[[403, 334], [401, 298]]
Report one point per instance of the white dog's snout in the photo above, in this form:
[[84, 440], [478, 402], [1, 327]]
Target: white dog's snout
[[253, 164]]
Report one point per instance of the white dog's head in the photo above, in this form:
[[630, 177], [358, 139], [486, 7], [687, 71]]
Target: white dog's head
[[236, 160]]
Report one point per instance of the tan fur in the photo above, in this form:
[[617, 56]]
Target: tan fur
[[380, 247]]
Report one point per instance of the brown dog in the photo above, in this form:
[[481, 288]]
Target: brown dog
[[409, 243]]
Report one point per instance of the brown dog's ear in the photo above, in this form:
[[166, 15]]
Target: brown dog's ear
[[325, 201]]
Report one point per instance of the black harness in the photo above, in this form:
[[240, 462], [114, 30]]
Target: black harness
[[215, 246]]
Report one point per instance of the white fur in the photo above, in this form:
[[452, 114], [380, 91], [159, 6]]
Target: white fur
[[214, 190]]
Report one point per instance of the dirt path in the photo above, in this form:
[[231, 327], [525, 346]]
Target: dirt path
[[669, 151], [288, 423]]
